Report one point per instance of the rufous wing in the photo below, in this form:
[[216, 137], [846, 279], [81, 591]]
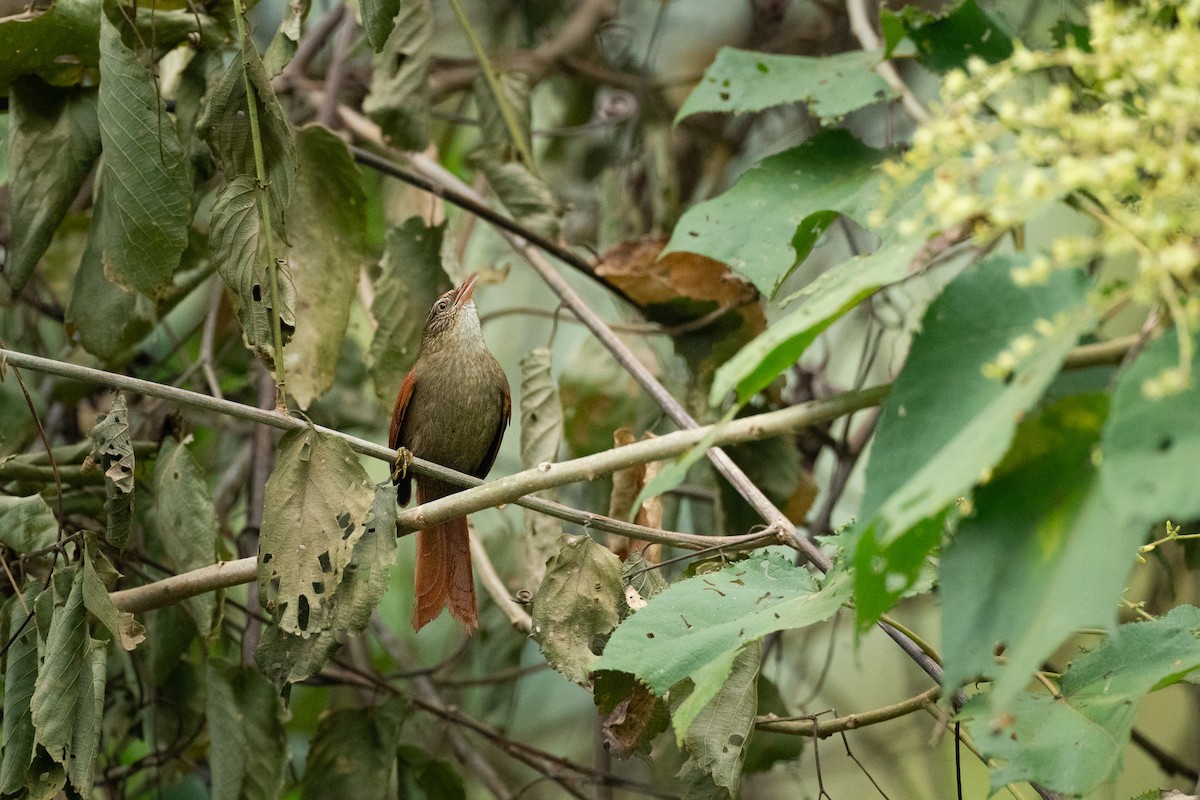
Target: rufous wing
[[403, 400]]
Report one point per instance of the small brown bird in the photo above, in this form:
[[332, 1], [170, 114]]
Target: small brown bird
[[452, 409]]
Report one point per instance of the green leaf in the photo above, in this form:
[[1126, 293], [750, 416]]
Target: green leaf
[[225, 127], [767, 223], [328, 233], [55, 140], [399, 97], [114, 451], [541, 436], [316, 500], [109, 320], [125, 630], [676, 471], [236, 240], [717, 739], [576, 604], [20, 675], [26, 524], [1074, 744], [353, 751], [284, 44], [945, 422], [696, 627], [423, 778], [947, 42], [746, 80], [187, 524], [411, 279], [287, 658], [147, 189], [825, 300], [766, 749], [248, 750]]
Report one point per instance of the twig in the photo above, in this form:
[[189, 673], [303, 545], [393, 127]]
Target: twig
[[864, 30], [206, 339], [310, 45], [803, 726], [495, 587], [335, 76]]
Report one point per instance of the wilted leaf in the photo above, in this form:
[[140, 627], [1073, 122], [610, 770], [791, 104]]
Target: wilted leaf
[[353, 751], [633, 715], [147, 190], [26, 524], [236, 240], [20, 675], [284, 43], [187, 523], [411, 279], [327, 233], [696, 627], [576, 604], [745, 80], [54, 139], [248, 751], [316, 500], [628, 484], [717, 739], [675, 472], [114, 453], [399, 96], [767, 223], [541, 434], [126, 631]]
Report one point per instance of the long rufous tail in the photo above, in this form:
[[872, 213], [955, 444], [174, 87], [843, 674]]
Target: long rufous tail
[[443, 573]]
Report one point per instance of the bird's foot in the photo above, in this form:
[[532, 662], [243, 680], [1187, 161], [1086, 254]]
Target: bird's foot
[[400, 466]]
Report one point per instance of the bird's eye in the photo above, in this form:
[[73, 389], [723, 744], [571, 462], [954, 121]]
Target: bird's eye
[[442, 305]]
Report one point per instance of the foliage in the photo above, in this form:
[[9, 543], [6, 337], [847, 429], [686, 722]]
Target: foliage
[[1020, 265]]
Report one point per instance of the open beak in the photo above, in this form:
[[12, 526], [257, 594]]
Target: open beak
[[466, 290]]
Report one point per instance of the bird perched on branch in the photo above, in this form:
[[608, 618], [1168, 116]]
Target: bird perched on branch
[[452, 409]]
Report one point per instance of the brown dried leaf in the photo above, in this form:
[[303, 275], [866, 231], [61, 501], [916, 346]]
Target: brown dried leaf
[[627, 485]]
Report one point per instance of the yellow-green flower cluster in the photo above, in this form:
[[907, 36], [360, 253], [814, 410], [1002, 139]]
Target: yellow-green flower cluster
[[1113, 131]]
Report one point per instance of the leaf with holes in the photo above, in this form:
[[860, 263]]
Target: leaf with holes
[[316, 500], [114, 452], [716, 741], [399, 97]]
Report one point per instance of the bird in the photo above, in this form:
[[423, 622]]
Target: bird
[[452, 409]]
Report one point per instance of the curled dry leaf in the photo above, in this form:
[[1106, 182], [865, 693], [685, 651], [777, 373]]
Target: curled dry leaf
[[627, 485]]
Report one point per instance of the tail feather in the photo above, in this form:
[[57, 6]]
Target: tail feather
[[443, 573]]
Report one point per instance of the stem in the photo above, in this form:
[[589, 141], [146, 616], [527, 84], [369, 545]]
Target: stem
[[264, 205], [803, 726]]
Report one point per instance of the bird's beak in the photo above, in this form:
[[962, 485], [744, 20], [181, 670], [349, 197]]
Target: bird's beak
[[466, 290]]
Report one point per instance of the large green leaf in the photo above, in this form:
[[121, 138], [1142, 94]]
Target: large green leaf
[[187, 523], [328, 231], [824, 301], [399, 96], [421, 777], [353, 752], [20, 676], [747, 80], [948, 42], [952, 412], [114, 451], [768, 222], [54, 141], [146, 187], [316, 501], [26, 524], [717, 738], [541, 435], [248, 750], [411, 279], [1074, 744], [696, 627], [576, 605], [236, 240]]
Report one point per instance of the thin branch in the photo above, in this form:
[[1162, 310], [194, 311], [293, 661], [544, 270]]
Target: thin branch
[[336, 75], [803, 726], [311, 44], [495, 587], [864, 30]]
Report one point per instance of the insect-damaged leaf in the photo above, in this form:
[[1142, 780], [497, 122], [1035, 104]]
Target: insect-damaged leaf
[[126, 631], [399, 96], [146, 182], [287, 37], [245, 725], [236, 240], [576, 604], [114, 452], [541, 434], [316, 501], [717, 739]]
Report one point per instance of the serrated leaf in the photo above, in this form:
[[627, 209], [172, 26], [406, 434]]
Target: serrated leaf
[[287, 658], [696, 627], [236, 240], [114, 452], [353, 751], [26, 524], [946, 416], [248, 751], [54, 139], [541, 435], [399, 98], [125, 630], [576, 604], [328, 234], [717, 738], [767, 223], [20, 675], [225, 127], [316, 500], [187, 524], [1074, 744], [411, 279], [746, 80], [147, 190]]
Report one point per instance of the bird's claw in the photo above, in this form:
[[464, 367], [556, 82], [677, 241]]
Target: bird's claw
[[400, 466]]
